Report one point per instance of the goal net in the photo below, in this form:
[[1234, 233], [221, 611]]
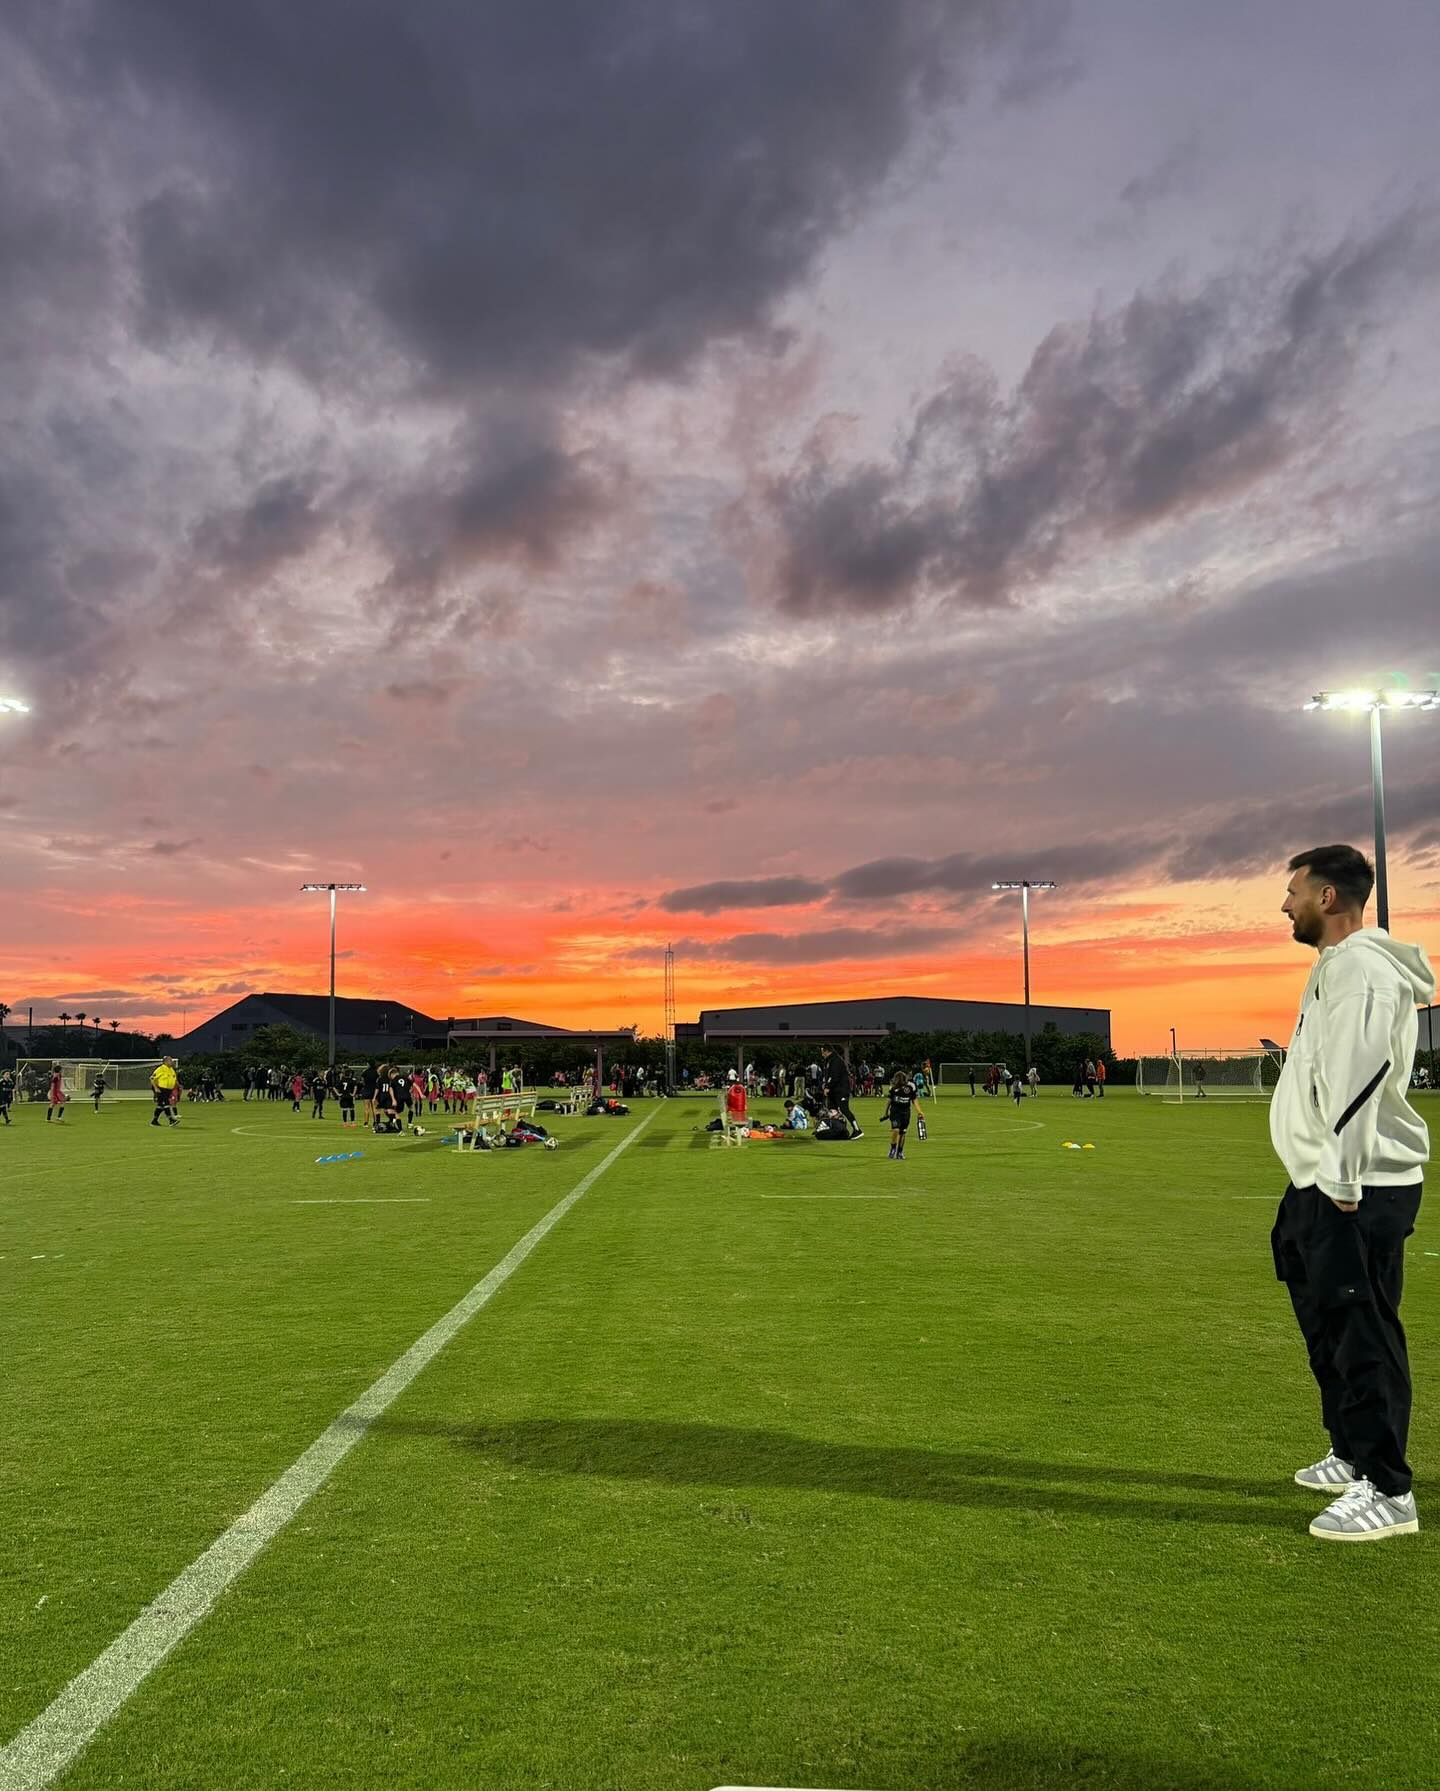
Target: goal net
[[126, 1078], [957, 1075], [1210, 1075]]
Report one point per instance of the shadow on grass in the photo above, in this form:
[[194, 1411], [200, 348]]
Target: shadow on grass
[[1026, 1765], [711, 1455]]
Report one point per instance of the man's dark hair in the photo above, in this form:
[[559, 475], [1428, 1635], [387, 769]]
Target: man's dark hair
[[1350, 871]]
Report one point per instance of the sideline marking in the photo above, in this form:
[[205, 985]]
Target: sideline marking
[[369, 1200], [45, 1747], [838, 1196]]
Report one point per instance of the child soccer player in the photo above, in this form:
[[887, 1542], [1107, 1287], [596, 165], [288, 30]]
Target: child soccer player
[[1017, 1089], [796, 1118], [56, 1109], [345, 1094], [297, 1091], [319, 1088], [897, 1111], [97, 1088], [734, 1108], [7, 1094]]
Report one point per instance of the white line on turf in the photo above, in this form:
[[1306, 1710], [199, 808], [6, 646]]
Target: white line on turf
[[44, 1748], [836, 1197], [369, 1200]]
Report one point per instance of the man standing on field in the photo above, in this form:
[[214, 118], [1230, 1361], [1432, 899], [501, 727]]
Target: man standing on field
[[1355, 1151], [163, 1085]]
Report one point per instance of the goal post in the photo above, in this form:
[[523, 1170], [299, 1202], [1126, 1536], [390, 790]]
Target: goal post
[[1214, 1074], [126, 1078]]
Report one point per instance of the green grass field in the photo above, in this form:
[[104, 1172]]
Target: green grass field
[[781, 1466]]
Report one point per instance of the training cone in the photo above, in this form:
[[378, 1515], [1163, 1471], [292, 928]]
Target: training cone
[[1087, 1147]]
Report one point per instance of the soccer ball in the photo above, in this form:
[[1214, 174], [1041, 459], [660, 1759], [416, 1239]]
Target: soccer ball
[[419, 1131], [552, 1144]]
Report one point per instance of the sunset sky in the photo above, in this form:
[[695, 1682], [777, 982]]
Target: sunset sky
[[605, 472]]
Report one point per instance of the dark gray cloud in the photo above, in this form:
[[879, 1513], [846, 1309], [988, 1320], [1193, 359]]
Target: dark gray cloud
[[502, 189], [1224, 846], [1175, 400], [500, 493], [454, 212], [826, 945], [279, 522], [743, 892]]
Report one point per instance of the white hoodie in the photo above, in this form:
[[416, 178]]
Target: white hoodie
[[1339, 1119]]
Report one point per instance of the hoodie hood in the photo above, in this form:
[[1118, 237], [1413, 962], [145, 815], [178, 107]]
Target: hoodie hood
[[1409, 960]]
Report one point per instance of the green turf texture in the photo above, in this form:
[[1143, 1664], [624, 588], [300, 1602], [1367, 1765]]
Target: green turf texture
[[983, 1483]]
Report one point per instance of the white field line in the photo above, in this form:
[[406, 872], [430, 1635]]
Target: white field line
[[837, 1197], [44, 1748], [368, 1200]]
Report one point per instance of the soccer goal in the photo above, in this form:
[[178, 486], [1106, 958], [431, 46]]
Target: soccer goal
[[1210, 1075], [958, 1075], [126, 1078]]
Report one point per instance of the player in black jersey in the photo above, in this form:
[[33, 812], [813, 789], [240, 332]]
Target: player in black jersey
[[897, 1111]]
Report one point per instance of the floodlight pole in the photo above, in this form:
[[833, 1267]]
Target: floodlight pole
[[1025, 885], [1399, 697], [1377, 790], [333, 889]]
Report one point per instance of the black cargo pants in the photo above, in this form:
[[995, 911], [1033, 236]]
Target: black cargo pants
[[1345, 1272]]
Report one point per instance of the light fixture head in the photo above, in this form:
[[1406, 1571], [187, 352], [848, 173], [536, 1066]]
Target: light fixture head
[[1027, 883], [339, 888], [1364, 700], [13, 706]]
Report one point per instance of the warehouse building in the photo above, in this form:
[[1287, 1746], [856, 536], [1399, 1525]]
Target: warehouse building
[[872, 1017]]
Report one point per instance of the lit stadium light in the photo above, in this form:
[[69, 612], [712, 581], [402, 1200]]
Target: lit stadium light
[[1375, 703], [13, 706], [1025, 885], [332, 890]]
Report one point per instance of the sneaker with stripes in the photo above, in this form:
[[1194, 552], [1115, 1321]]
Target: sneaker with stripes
[[1330, 1475], [1365, 1514]]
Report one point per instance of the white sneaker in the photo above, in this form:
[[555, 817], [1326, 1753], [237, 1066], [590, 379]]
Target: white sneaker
[[1330, 1475], [1365, 1514]]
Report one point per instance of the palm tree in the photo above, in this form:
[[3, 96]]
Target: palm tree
[[95, 1021], [114, 1026], [79, 1019], [64, 1021]]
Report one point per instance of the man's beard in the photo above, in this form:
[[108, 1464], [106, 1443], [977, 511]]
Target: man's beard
[[1306, 932]]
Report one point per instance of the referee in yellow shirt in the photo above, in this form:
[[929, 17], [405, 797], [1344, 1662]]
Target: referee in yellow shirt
[[163, 1084]]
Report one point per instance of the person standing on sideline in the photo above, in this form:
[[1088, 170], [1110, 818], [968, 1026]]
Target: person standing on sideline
[[837, 1088], [1100, 1074], [971, 1074], [165, 1085], [1355, 1152], [1032, 1076]]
